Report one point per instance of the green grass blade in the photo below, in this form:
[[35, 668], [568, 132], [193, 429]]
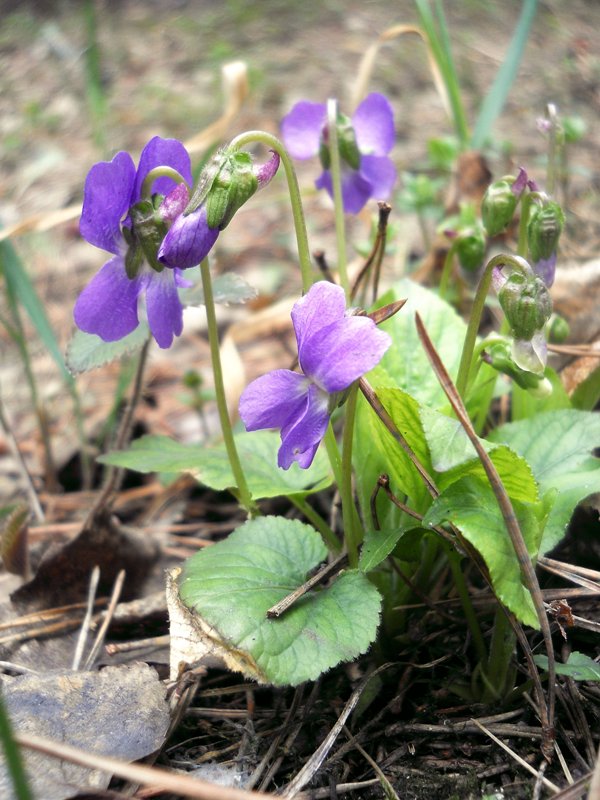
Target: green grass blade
[[496, 97], [14, 761], [20, 286]]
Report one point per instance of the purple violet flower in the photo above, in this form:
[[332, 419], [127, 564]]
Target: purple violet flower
[[304, 133], [108, 306], [191, 237], [335, 348]]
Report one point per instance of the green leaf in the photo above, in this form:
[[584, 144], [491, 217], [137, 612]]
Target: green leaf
[[232, 584], [87, 351], [470, 504], [497, 94], [376, 452], [406, 362], [579, 667], [558, 446], [378, 545], [209, 464], [587, 393], [228, 288]]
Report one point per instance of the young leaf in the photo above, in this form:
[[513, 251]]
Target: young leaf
[[471, 505], [558, 446], [579, 667], [231, 586], [209, 464], [87, 351]]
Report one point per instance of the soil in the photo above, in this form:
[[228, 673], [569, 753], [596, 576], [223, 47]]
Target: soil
[[160, 66]]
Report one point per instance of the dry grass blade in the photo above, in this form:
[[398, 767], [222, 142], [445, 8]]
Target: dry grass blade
[[512, 527], [87, 620], [116, 593], [582, 576], [521, 761], [367, 63], [180, 785], [314, 763]]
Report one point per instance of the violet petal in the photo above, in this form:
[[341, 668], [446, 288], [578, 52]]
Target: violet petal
[[106, 199], [301, 128], [380, 172], [162, 153], [108, 304], [188, 241], [323, 305], [355, 189], [273, 400], [546, 269], [266, 172], [174, 203], [339, 354], [373, 123], [301, 438], [163, 307]]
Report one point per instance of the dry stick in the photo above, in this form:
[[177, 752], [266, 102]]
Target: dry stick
[[548, 784], [314, 762], [180, 785], [115, 474], [514, 531], [383, 415], [377, 252], [387, 787], [114, 599], [87, 620], [282, 606]]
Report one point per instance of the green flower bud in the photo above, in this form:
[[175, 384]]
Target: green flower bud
[[145, 236], [544, 229], [234, 184], [498, 206], [558, 329], [470, 248], [527, 304], [498, 356]]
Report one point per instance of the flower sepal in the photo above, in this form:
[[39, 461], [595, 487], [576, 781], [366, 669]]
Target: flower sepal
[[499, 356], [543, 231], [147, 233]]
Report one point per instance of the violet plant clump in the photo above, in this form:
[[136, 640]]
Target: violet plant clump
[[335, 348], [364, 140], [117, 218]]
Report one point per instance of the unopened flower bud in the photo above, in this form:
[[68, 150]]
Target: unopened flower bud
[[527, 304], [558, 329], [470, 248], [498, 206], [543, 231]]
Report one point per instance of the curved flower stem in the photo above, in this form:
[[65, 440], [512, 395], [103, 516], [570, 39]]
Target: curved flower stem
[[160, 172], [464, 368], [276, 145], [245, 497], [338, 201], [317, 521], [352, 533]]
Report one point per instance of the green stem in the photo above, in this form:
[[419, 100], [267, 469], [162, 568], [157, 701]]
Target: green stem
[[465, 599], [447, 270], [338, 200], [464, 368], [352, 532], [501, 650], [316, 521], [273, 143], [160, 172], [245, 497]]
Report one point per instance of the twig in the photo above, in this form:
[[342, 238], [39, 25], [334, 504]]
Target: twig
[[548, 784], [114, 599], [87, 620], [282, 606], [512, 527], [314, 762]]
